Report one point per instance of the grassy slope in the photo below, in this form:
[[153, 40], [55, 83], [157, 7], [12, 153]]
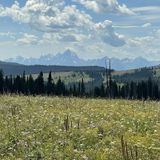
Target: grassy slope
[[70, 78], [34, 127], [127, 75], [67, 77], [137, 74]]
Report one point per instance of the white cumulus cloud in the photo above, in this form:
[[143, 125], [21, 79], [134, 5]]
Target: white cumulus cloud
[[108, 35], [55, 16]]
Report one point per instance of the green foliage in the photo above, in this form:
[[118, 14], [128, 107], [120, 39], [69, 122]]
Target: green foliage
[[82, 129]]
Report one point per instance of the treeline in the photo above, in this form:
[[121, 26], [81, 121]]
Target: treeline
[[27, 85], [132, 90]]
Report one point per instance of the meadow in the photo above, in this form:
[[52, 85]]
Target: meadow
[[53, 128], [67, 77]]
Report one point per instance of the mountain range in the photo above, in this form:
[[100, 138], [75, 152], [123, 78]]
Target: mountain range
[[70, 58]]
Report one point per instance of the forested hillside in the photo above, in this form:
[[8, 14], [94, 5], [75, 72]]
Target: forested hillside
[[109, 88], [137, 74], [17, 69]]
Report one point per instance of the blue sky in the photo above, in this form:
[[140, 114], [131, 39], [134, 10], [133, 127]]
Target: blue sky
[[91, 28]]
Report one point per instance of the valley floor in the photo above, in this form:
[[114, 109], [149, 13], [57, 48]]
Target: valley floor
[[80, 129]]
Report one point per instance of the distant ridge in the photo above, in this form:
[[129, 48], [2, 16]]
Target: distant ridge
[[70, 58], [17, 69]]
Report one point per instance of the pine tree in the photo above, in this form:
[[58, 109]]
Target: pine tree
[[30, 85], [49, 84], [39, 84], [70, 90], [102, 90], [79, 89], [23, 83], [144, 90], [156, 92], [17, 85], [6, 84], [53, 88], [82, 88], [114, 90], [110, 80], [150, 88], [10, 84], [122, 92], [60, 87], [74, 90], [1, 82], [97, 92], [132, 91], [139, 91]]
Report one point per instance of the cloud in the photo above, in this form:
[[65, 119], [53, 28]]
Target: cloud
[[106, 6], [70, 37], [54, 16], [7, 34], [148, 13], [47, 15], [146, 25], [108, 35], [149, 9], [28, 39], [146, 46]]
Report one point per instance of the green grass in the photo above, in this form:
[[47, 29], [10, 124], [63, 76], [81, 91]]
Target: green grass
[[119, 76], [123, 72], [67, 77], [81, 129]]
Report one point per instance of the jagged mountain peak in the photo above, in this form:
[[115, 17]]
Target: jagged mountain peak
[[70, 53], [70, 58]]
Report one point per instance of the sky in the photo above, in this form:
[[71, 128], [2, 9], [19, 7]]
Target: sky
[[91, 28]]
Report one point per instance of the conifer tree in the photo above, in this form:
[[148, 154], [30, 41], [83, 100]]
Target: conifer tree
[[150, 88], [23, 83], [74, 90], [79, 89], [49, 84], [1, 82], [31, 85], [39, 84], [102, 94], [17, 85], [97, 92], [60, 87], [114, 88], [82, 88], [6, 84]]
